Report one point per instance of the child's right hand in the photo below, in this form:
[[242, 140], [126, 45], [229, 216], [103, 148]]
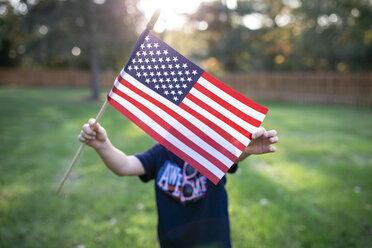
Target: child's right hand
[[94, 136]]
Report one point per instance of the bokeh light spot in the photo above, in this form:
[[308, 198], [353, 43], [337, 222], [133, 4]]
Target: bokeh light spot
[[76, 51]]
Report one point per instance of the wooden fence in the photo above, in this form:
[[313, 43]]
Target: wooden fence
[[306, 87]]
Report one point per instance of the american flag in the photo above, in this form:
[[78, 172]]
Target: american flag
[[191, 113]]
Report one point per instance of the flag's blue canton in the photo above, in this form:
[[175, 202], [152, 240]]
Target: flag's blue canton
[[163, 69]]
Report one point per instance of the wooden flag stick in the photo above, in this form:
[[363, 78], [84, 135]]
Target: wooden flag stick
[[150, 26], [154, 18], [99, 115]]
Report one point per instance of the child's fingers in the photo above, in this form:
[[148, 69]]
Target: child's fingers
[[271, 133], [260, 131], [81, 138], [96, 127], [87, 136], [272, 148], [91, 121], [88, 130], [274, 140]]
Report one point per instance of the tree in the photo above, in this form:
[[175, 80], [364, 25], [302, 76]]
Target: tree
[[10, 38], [336, 35], [288, 35], [72, 34], [291, 35]]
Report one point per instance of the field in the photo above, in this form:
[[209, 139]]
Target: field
[[315, 191]]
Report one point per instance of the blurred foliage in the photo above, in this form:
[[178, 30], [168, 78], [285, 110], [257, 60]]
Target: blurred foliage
[[292, 35], [295, 35], [10, 38], [50, 31]]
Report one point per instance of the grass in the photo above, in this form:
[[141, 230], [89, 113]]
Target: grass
[[315, 191]]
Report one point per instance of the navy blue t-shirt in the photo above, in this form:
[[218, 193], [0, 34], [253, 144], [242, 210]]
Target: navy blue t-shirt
[[192, 211]]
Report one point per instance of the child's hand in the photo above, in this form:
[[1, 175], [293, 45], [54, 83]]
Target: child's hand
[[94, 136], [261, 143]]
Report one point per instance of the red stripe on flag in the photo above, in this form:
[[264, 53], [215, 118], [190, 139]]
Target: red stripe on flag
[[235, 94], [217, 114], [213, 178], [173, 130], [180, 119], [215, 127], [227, 105]]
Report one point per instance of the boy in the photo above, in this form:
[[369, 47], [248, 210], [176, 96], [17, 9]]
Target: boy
[[192, 211]]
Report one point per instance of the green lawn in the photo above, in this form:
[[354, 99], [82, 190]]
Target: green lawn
[[315, 191]]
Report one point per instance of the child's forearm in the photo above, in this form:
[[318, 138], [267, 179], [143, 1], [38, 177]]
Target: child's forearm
[[118, 162], [246, 153]]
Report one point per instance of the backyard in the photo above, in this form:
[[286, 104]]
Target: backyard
[[315, 191]]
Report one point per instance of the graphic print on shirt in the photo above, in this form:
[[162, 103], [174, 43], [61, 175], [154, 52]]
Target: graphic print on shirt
[[184, 184]]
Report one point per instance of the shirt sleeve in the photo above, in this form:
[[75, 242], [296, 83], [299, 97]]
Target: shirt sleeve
[[149, 160], [233, 168]]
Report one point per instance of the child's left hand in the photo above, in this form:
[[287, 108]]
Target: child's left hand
[[261, 143]]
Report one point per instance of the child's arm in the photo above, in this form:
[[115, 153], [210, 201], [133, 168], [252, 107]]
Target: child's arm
[[260, 144], [117, 161]]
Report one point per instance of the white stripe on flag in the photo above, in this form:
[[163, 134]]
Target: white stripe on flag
[[166, 135], [174, 123], [203, 127], [237, 135], [231, 116], [233, 101]]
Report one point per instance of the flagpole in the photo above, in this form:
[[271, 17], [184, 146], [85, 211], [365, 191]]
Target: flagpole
[[99, 115], [149, 27]]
